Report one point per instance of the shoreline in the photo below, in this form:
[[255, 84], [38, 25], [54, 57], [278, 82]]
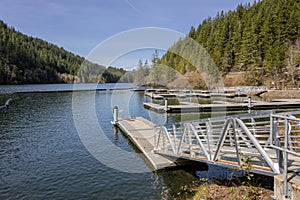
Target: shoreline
[[277, 94]]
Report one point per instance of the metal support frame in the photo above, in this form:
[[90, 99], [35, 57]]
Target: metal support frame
[[208, 155], [233, 124], [163, 132], [258, 147], [274, 133], [169, 139], [174, 136], [222, 138], [181, 141], [234, 133], [157, 139], [285, 159], [244, 139], [287, 145]]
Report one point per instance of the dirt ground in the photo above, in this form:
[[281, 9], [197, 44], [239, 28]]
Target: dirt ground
[[279, 94], [251, 187], [215, 192]]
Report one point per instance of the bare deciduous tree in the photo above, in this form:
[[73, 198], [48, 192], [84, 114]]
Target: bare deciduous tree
[[293, 62]]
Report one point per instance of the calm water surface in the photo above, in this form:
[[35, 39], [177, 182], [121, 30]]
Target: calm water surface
[[42, 156]]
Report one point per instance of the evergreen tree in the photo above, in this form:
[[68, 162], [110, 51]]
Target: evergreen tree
[[25, 59], [253, 39]]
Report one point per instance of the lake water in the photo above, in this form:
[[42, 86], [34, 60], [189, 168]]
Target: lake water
[[42, 155]]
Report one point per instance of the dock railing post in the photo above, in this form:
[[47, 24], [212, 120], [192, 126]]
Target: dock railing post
[[208, 135], [115, 112], [285, 158]]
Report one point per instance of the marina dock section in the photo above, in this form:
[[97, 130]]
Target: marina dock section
[[142, 133], [162, 94], [186, 107], [225, 142]]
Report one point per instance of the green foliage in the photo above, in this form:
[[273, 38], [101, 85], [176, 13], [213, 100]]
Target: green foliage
[[246, 166], [113, 75], [253, 38], [25, 59]]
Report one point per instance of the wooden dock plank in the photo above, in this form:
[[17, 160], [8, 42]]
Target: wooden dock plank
[[141, 132]]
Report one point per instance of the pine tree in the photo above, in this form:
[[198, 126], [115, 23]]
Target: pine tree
[[252, 39]]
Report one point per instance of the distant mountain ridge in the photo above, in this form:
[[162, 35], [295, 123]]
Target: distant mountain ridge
[[29, 60]]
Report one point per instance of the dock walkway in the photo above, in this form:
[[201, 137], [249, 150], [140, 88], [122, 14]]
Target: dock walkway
[[186, 107], [267, 144], [142, 132]]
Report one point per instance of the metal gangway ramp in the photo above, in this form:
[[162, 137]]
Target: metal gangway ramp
[[262, 143]]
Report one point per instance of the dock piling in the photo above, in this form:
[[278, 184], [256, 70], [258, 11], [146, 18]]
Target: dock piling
[[249, 103], [166, 104], [116, 113]]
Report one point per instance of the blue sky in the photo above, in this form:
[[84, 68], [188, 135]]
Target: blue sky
[[80, 25]]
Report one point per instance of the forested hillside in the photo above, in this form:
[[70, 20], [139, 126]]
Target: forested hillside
[[259, 41], [25, 59]]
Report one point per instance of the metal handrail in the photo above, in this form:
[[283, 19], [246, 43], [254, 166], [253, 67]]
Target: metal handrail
[[240, 132], [247, 132], [288, 144]]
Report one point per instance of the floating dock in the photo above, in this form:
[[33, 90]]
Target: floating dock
[[142, 133], [79, 90], [192, 108], [162, 94], [188, 107], [185, 95], [269, 143]]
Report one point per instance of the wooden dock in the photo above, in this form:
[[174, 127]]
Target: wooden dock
[[187, 107], [191, 108], [142, 132], [162, 94]]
